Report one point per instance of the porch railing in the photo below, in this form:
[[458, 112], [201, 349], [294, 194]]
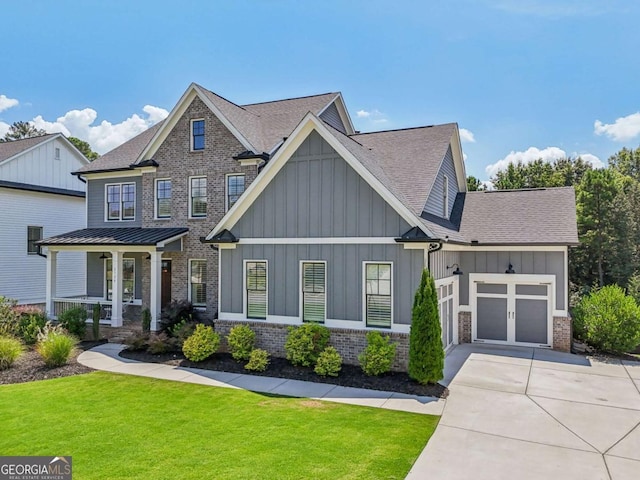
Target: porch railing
[[61, 305]]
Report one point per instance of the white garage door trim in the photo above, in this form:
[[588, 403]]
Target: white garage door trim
[[511, 280], [444, 299]]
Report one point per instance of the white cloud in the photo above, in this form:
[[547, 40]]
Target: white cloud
[[374, 116], [4, 128], [531, 154], [464, 157], [6, 103], [467, 136], [363, 114], [624, 128], [104, 136], [488, 185], [590, 158]]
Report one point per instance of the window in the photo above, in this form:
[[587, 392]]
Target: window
[[121, 201], [235, 187], [378, 295], [198, 282], [128, 279], [198, 200], [313, 291], [163, 198], [34, 234], [57, 153], [256, 285], [445, 197], [197, 134]]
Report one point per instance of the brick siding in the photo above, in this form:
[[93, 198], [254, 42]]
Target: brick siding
[[464, 327], [562, 334]]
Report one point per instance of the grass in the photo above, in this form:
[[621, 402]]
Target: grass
[[118, 426]]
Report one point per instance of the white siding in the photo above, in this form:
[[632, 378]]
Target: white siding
[[39, 167], [22, 276]]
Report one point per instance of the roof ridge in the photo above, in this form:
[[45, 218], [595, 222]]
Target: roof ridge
[[402, 129], [241, 107], [290, 98], [32, 138], [517, 190], [344, 134]]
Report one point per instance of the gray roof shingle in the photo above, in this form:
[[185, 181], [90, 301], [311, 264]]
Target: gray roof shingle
[[114, 236], [9, 149]]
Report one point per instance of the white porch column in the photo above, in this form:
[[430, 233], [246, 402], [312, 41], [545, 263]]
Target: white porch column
[[116, 289], [52, 266], [155, 296]]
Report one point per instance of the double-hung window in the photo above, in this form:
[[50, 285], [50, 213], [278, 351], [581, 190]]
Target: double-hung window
[[235, 187], [198, 197], [313, 291], [256, 285], [128, 279], [121, 201], [34, 234], [378, 298], [163, 198], [198, 282], [197, 134]]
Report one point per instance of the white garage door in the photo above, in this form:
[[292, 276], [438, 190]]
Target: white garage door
[[512, 309]]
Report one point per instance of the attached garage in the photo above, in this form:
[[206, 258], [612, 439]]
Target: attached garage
[[512, 309]]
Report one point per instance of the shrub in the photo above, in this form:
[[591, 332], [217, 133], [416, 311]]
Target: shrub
[[9, 317], [10, 351], [146, 320], [160, 343], [608, 320], [258, 360], [95, 321], [74, 321], [304, 343], [175, 312], [426, 355], [181, 331], [32, 319], [137, 342], [329, 363], [203, 343], [378, 357], [633, 287], [241, 340], [55, 347]]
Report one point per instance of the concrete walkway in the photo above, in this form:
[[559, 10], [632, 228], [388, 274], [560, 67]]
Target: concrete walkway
[[529, 413], [105, 357]]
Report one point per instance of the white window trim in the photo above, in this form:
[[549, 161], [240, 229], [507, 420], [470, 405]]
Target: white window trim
[[364, 294], [199, 306], [445, 196], [155, 198], [226, 188], [244, 289], [56, 153], [300, 289], [197, 217], [106, 202], [41, 237], [191, 149], [104, 279]]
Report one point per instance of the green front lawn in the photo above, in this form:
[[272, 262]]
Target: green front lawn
[[118, 426]]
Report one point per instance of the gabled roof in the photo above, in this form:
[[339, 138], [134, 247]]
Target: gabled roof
[[13, 148], [115, 236]]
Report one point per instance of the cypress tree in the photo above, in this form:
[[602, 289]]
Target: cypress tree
[[426, 355]]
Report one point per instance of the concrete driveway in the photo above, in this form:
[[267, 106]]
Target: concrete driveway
[[526, 413]]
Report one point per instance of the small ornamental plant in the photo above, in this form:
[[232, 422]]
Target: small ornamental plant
[[329, 363], [95, 321], [241, 340], [10, 351], [258, 360], [55, 346], [304, 343], [74, 321], [377, 358], [203, 343], [146, 320]]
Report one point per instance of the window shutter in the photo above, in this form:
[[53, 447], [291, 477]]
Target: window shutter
[[313, 292]]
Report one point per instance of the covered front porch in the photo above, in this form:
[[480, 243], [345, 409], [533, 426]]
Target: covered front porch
[[115, 259]]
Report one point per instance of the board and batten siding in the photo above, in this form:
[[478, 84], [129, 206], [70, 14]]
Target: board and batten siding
[[524, 262], [23, 276], [332, 117], [344, 277], [440, 260], [40, 167], [96, 273], [96, 206], [434, 202], [317, 194]]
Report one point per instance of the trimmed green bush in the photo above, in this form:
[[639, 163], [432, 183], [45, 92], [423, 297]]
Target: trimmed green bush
[[608, 320], [378, 357], [304, 343], [241, 340], [10, 351], [426, 355], [74, 321], [95, 321], [9, 317], [55, 347], [202, 344], [329, 363], [32, 319], [146, 320], [181, 331], [137, 342], [258, 360]]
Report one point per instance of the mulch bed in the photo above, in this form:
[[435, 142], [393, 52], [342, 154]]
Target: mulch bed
[[30, 367], [350, 375]]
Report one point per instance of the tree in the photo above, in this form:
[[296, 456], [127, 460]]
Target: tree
[[20, 130], [84, 148], [474, 184], [627, 162], [563, 172], [426, 355]]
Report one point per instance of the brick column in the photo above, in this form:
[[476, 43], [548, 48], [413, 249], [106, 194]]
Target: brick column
[[562, 334], [464, 327]]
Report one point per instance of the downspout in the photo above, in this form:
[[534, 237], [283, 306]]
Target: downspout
[[432, 249]]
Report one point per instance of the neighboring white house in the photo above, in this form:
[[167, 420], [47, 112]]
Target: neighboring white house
[[39, 198]]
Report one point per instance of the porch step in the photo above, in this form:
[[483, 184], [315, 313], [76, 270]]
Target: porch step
[[119, 334]]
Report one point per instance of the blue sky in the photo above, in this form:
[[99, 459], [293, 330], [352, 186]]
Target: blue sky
[[524, 79]]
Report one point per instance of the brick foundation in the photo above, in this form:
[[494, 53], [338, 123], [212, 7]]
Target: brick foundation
[[349, 343], [562, 334], [464, 327]]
